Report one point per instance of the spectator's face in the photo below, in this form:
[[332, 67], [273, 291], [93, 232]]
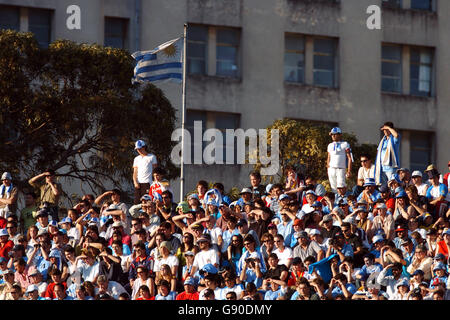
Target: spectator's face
[[189, 288], [201, 190], [249, 245], [11, 228], [9, 277], [278, 242], [277, 191], [4, 239], [417, 180], [59, 293], [273, 262], [103, 286], [115, 198], [141, 273], [254, 181], [342, 191], [368, 262], [438, 296]]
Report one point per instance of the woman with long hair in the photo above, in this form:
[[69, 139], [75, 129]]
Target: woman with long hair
[[166, 274], [234, 250]]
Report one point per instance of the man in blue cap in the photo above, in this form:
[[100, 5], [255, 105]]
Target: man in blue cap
[[143, 165], [339, 161], [370, 193]]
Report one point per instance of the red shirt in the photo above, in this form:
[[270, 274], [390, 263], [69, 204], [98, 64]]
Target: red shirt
[[2, 223], [50, 292], [5, 248], [188, 296], [151, 298]]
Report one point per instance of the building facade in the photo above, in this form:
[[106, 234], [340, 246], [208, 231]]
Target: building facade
[[250, 62]]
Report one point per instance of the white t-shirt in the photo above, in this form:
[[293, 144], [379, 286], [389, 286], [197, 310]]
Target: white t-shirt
[[364, 173], [89, 273], [337, 151], [237, 289], [171, 260], [144, 164], [422, 189], [204, 257], [285, 256], [217, 294]]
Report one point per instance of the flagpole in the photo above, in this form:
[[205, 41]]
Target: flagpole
[[183, 115]]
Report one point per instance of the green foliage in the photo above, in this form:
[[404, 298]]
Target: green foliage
[[72, 107], [303, 145]]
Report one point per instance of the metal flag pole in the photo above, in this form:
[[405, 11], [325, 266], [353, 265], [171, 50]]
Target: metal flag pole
[[183, 115]]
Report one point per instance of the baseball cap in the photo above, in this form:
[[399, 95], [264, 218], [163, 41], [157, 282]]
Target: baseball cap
[[6, 175], [8, 271], [42, 232], [117, 224], [446, 232], [416, 173], [440, 266], [311, 192], [3, 232], [269, 187], [297, 222], [189, 253], [3, 260], [418, 272], [193, 196], [146, 197], [284, 196], [245, 190], [405, 242], [336, 130], [53, 223], [384, 188], [34, 273], [203, 238], [165, 244], [402, 169], [32, 288], [317, 204], [369, 182], [313, 232], [42, 213], [184, 206], [189, 281], [65, 220], [377, 238], [212, 202], [301, 234], [241, 222], [381, 206], [400, 228], [439, 256], [401, 194], [327, 218], [139, 144]]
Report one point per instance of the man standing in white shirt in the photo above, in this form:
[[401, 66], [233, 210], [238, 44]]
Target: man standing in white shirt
[[338, 154], [143, 166]]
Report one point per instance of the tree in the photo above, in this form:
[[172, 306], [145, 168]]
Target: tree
[[72, 107], [303, 145]]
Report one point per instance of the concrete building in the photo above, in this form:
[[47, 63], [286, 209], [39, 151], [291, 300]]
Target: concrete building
[[253, 61]]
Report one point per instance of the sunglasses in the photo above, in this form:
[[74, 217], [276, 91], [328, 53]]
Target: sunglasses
[[364, 160]]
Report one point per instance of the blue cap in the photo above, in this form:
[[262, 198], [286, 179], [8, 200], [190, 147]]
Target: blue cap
[[384, 188], [209, 268], [377, 238], [335, 130], [190, 281], [65, 220], [146, 197], [193, 196], [213, 202], [401, 194], [139, 144], [317, 204], [63, 231], [3, 232], [53, 223], [440, 266], [3, 260], [369, 182]]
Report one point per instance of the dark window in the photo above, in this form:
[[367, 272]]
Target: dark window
[[116, 30], [191, 116], [227, 49], [391, 68], [39, 22], [421, 67], [391, 3], [421, 150], [197, 40], [10, 18], [324, 62], [294, 58], [422, 4]]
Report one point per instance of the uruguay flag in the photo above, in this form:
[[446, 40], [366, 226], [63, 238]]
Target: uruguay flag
[[163, 63]]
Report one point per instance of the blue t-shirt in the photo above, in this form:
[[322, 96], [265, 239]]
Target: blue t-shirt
[[396, 143], [273, 295], [286, 231]]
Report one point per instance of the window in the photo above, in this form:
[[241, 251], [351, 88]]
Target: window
[[391, 3], [391, 68], [197, 41], [324, 62], [116, 30], [227, 52], [420, 71], [191, 116], [213, 51], [420, 150], [422, 4], [294, 58], [10, 18], [39, 22]]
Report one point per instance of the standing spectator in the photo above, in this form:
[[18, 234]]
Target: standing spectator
[[143, 166], [388, 154], [28, 214], [8, 195], [339, 161], [50, 191]]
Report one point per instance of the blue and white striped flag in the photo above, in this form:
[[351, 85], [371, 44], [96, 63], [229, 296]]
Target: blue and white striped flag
[[163, 63]]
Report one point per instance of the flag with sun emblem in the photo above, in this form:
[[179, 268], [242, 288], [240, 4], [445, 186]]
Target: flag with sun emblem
[[163, 63]]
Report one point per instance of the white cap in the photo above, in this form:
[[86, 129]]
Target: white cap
[[32, 288], [416, 173], [6, 175]]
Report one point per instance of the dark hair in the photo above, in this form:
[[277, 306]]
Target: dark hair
[[202, 183], [140, 245], [366, 155], [311, 259], [233, 294], [249, 237], [389, 124], [255, 174], [219, 185], [159, 170], [164, 283], [124, 295], [273, 255], [167, 192], [117, 191], [209, 293]]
